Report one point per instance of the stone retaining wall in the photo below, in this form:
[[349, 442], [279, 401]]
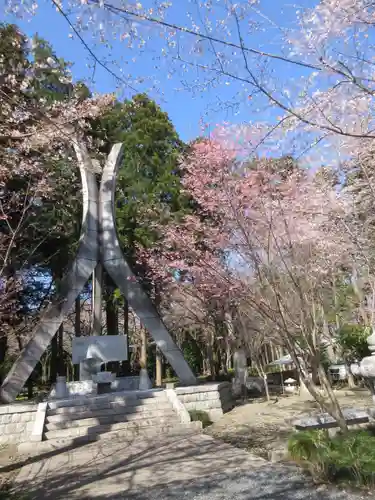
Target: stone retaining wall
[[16, 422], [214, 398]]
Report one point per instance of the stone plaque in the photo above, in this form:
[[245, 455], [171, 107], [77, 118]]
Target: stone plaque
[[105, 348], [325, 421]]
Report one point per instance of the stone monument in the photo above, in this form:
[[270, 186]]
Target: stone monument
[[240, 371], [98, 246], [92, 351]]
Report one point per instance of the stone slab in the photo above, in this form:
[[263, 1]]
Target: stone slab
[[104, 347], [325, 421], [18, 408], [89, 388], [38, 424]]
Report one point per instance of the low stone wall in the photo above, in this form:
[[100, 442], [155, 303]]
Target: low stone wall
[[214, 398], [16, 422]]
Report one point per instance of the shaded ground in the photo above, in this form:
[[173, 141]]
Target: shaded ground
[[262, 427], [192, 468]]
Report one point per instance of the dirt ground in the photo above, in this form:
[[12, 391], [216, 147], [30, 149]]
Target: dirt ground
[[264, 427]]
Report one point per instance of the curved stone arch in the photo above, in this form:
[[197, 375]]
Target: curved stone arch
[[122, 275], [71, 284]]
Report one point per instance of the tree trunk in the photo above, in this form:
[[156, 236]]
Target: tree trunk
[[125, 365], [97, 294], [77, 330], [211, 362], [315, 370], [60, 347], [263, 375], [228, 357], [351, 381], [3, 348], [334, 408], [111, 317], [53, 359]]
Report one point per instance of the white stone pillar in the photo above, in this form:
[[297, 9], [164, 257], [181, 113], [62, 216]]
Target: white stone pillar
[[367, 365]]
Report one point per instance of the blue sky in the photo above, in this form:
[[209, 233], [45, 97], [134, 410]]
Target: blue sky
[[185, 109]]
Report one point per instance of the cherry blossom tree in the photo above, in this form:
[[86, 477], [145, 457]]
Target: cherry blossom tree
[[265, 238], [274, 240], [36, 135], [207, 45]]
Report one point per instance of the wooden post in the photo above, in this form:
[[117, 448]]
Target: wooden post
[[143, 359], [159, 367], [125, 365]]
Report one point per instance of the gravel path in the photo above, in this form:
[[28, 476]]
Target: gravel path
[[193, 467]]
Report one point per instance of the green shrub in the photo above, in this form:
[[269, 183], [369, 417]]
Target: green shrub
[[200, 416], [345, 457]]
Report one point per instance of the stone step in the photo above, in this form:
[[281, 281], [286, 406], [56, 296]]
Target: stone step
[[58, 407], [107, 398], [152, 417], [93, 410], [77, 413], [133, 427], [122, 434]]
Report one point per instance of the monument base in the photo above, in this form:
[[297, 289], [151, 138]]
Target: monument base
[[90, 388], [104, 387]]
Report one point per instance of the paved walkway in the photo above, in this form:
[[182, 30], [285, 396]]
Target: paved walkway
[[175, 468]]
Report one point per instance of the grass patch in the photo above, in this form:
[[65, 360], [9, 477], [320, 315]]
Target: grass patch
[[344, 458], [200, 416], [6, 493]]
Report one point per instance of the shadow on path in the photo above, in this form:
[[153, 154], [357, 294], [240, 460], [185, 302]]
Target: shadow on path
[[194, 468]]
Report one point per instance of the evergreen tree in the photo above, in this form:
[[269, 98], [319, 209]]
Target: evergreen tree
[[149, 178], [48, 228]]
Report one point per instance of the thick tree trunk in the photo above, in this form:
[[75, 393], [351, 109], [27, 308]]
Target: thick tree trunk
[[111, 316], [3, 348], [60, 348], [315, 370], [53, 360]]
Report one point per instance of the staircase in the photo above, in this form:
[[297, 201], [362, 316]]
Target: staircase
[[111, 416]]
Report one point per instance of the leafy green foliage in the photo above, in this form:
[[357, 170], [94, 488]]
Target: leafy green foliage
[[148, 179], [49, 227], [193, 354], [52, 80], [346, 457], [352, 339], [200, 416]]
